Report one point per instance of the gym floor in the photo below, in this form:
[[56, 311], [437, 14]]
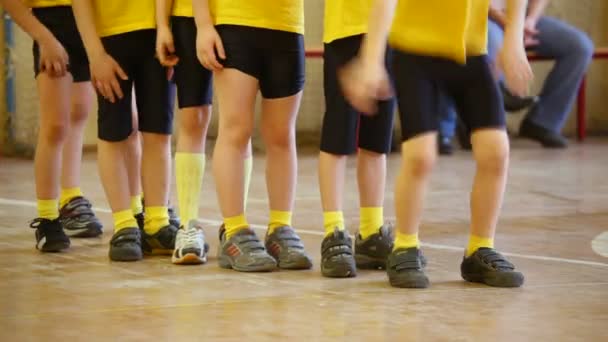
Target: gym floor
[[554, 228]]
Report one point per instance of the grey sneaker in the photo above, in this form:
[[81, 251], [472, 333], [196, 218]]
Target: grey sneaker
[[405, 268], [190, 245], [372, 252], [244, 252], [79, 220], [337, 255], [286, 247], [489, 267], [126, 245]]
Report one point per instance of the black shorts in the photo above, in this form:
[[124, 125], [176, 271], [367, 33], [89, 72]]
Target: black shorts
[[275, 58], [421, 80], [193, 81], [345, 129], [135, 53], [60, 21]]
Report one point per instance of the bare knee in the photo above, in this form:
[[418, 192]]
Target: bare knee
[[194, 122], [54, 132], [279, 137], [80, 113], [492, 154], [419, 163]]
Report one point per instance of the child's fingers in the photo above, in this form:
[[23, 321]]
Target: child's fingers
[[219, 46], [118, 70], [116, 88]]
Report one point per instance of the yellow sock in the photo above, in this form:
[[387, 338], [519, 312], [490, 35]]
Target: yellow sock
[[156, 218], [248, 166], [278, 219], [371, 220], [136, 205], [477, 242], [406, 241], [67, 194], [234, 224], [333, 220], [47, 209], [124, 219], [189, 171]]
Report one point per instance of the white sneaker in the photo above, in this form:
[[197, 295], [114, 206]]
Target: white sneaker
[[190, 245]]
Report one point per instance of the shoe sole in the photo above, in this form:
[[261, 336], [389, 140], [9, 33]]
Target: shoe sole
[[125, 254], [368, 263], [55, 248], [226, 263], [189, 259], [516, 280]]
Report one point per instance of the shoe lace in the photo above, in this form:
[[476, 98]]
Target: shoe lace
[[191, 236], [494, 259]]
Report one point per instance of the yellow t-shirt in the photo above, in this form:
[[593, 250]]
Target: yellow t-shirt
[[282, 15], [345, 18], [47, 3], [182, 8], [451, 29], [114, 17]]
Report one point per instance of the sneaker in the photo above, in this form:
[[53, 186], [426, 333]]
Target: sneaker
[[160, 243], [244, 252], [514, 103], [79, 220], [405, 268], [286, 247], [173, 218], [337, 259], [50, 237], [190, 245], [545, 137], [126, 245], [444, 145], [489, 267], [372, 252]]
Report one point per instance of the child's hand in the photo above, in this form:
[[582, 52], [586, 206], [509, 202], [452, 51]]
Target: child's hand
[[515, 66], [165, 49], [363, 85], [104, 70], [54, 59], [208, 42]]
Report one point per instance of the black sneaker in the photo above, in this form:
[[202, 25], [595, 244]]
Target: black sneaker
[[405, 268], [372, 252], [244, 252], [514, 103], [286, 247], [160, 243], [489, 267], [444, 145], [126, 245], [545, 137], [337, 259], [79, 220], [50, 237]]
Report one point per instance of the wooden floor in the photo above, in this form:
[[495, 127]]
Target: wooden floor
[[555, 210]]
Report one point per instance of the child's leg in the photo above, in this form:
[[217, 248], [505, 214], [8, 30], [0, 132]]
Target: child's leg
[[77, 217], [54, 126], [331, 182], [235, 129], [278, 131], [54, 94], [82, 101], [133, 157], [491, 152]]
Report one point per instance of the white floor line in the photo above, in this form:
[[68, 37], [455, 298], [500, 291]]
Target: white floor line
[[12, 202]]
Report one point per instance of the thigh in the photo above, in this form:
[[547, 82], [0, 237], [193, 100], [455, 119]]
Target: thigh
[[152, 88], [283, 70], [236, 93], [340, 122], [557, 38], [477, 97], [417, 95], [193, 81]]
